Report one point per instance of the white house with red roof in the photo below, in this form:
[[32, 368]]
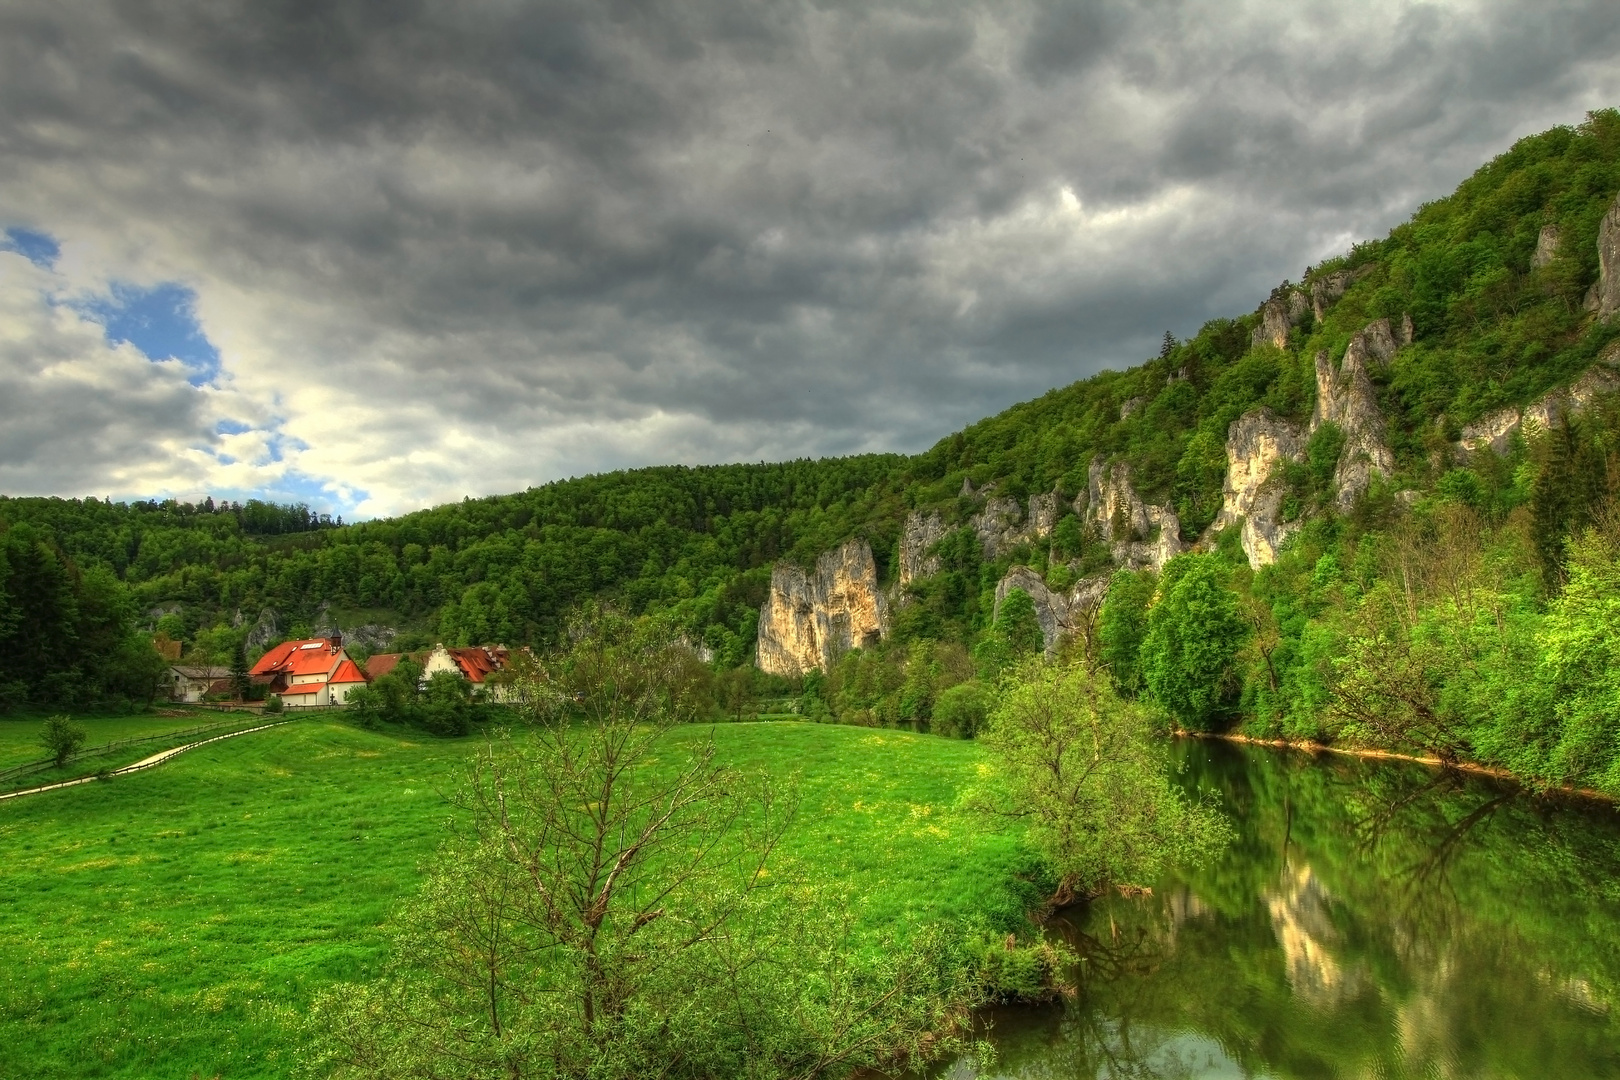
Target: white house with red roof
[[475, 664], [309, 673]]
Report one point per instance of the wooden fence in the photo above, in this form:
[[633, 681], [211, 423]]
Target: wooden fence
[[177, 735]]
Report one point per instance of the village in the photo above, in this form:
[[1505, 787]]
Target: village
[[319, 673]]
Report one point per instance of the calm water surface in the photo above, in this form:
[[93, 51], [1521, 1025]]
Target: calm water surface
[[1373, 919]]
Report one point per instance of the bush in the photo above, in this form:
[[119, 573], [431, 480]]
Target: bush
[[959, 712], [272, 704], [62, 737]]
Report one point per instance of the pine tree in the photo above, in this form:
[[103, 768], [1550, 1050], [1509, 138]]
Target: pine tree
[[240, 680]]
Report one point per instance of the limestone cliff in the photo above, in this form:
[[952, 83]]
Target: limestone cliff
[[1258, 443], [1347, 398], [1003, 525], [809, 620], [1605, 295], [1059, 613], [1141, 535], [1495, 431], [1284, 310], [1329, 288], [922, 532]]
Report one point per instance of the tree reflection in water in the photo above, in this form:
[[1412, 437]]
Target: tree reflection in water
[[1372, 919]]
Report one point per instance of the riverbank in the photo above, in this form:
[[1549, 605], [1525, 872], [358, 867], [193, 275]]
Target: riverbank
[[1372, 753]]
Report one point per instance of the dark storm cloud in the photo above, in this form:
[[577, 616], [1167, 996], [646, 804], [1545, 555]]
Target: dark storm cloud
[[461, 248]]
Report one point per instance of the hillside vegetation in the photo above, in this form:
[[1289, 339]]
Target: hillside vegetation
[[1414, 616]]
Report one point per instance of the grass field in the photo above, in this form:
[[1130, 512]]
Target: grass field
[[175, 923], [19, 735]]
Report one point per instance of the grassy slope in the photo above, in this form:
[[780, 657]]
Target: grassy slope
[[176, 922]]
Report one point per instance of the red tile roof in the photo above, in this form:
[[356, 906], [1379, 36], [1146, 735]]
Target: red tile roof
[[313, 656], [478, 661], [383, 663], [347, 672], [299, 689]]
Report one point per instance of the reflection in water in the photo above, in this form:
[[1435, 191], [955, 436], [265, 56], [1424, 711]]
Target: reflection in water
[[1373, 919]]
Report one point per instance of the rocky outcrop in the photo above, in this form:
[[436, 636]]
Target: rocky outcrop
[[1605, 295], [809, 620], [1003, 525], [1328, 289], [1059, 613], [1347, 398], [1546, 247], [1283, 311], [265, 630], [922, 532], [1258, 443], [1495, 431], [1141, 535]]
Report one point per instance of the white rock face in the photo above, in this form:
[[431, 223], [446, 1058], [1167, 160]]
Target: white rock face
[[1282, 311], [1258, 443], [1059, 613], [922, 532], [1346, 398], [1546, 247], [1141, 535], [1003, 525], [1607, 289], [809, 620], [1495, 431]]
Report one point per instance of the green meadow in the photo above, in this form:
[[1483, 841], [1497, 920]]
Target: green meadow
[[177, 922]]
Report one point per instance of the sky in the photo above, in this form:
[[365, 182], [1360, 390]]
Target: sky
[[380, 255]]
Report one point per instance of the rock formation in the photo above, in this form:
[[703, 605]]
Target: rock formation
[[1284, 310], [1495, 431], [1141, 535], [1546, 247], [1605, 295], [809, 620], [1346, 398], [265, 630], [1058, 613], [1257, 443], [1003, 525], [922, 532], [1327, 289]]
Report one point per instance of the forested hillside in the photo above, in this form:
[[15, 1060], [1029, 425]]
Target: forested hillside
[[1448, 558]]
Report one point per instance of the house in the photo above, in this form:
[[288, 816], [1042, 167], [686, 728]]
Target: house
[[475, 664], [191, 683], [309, 673]]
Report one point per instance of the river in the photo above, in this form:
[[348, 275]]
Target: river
[[1372, 919]]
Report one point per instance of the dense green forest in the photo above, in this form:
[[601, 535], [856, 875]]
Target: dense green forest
[[1414, 619]]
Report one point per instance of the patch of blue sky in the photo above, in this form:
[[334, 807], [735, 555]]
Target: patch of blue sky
[[232, 427], [160, 321], [39, 248]]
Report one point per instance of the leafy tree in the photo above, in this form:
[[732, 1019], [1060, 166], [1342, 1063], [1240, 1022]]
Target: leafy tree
[[960, 711], [1085, 769], [1121, 627], [605, 915], [1018, 624], [62, 737], [1193, 634], [1580, 664]]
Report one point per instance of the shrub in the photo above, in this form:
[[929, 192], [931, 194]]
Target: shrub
[[62, 737]]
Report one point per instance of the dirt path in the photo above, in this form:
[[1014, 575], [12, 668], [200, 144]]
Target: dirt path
[[145, 763]]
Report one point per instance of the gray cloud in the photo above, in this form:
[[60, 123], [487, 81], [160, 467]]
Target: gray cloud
[[462, 248]]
